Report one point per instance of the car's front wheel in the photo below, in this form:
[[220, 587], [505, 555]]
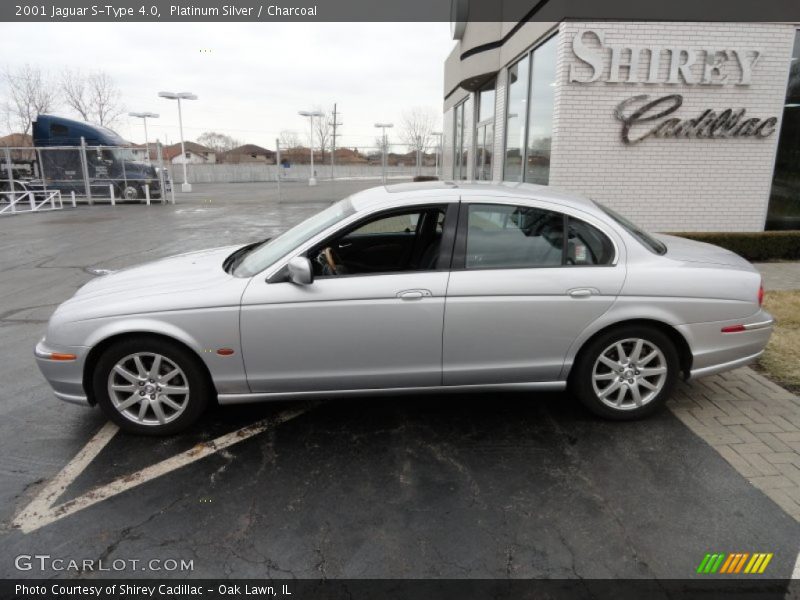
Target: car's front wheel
[[150, 386], [626, 373]]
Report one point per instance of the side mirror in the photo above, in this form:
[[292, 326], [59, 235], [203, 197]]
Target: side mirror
[[300, 270]]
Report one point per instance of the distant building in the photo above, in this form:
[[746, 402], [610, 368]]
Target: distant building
[[350, 156], [18, 140], [248, 153], [196, 154]]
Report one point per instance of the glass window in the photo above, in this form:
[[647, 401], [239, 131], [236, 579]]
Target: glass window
[[458, 140], [395, 224], [259, 257], [484, 132], [387, 243], [640, 234], [784, 199], [501, 236], [540, 113], [587, 245], [515, 119], [467, 130], [486, 102]]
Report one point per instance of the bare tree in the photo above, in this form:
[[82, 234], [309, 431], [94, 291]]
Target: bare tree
[[94, 97], [416, 130], [323, 127], [289, 139], [379, 144], [219, 142], [30, 93]]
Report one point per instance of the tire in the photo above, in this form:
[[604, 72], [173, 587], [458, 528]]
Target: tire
[[653, 380], [152, 410], [130, 193]]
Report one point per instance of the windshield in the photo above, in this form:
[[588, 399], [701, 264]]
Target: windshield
[[261, 257], [124, 154], [640, 234]]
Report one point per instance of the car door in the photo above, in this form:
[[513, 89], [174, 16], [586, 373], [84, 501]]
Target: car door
[[521, 291], [377, 323]]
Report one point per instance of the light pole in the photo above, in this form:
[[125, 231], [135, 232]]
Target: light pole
[[383, 127], [437, 134], [144, 116], [185, 186], [311, 114]]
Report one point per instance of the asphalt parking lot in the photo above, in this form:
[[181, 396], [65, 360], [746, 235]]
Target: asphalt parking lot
[[471, 486]]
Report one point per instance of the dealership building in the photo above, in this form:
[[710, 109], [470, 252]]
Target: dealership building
[[681, 126]]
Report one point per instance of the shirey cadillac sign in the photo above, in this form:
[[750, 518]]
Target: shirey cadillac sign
[[643, 116]]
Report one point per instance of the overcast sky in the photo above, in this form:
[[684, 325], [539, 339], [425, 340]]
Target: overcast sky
[[254, 77]]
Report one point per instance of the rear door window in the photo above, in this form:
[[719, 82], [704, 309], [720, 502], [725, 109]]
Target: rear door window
[[500, 236]]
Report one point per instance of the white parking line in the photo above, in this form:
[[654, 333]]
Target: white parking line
[[43, 510], [796, 571]]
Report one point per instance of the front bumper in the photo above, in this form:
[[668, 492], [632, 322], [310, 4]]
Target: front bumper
[[715, 352], [64, 376]]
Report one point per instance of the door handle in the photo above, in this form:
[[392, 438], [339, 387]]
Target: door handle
[[581, 292], [413, 294]]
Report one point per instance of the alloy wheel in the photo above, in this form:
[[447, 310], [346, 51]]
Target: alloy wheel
[[629, 374], [148, 388]]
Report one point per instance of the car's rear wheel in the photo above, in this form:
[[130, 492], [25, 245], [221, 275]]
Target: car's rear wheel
[[626, 373], [150, 386]]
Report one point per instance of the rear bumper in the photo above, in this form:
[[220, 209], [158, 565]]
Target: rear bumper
[[715, 352], [65, 377]]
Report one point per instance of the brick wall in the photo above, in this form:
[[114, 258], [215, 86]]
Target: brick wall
[[671, 184]]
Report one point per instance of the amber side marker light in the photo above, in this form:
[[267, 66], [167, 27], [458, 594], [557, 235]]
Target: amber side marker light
[[225, 351], [61, 356]]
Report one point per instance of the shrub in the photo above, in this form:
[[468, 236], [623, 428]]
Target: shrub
[[754, 246], [425, 178]]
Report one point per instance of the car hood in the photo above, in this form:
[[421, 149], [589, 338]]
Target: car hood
[[682, 249], [191, 280]]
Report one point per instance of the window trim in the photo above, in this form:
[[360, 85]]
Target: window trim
[[446, 248], [458, 262]]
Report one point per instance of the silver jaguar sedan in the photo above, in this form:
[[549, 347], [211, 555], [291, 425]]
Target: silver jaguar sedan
[[411, 288]]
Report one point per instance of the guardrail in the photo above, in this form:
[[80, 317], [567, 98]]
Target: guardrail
[[14, 202]]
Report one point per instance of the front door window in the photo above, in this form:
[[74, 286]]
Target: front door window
[[394, 242]]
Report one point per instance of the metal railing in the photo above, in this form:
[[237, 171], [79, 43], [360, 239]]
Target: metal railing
[[14, 203]]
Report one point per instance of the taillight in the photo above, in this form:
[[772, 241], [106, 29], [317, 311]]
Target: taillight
[[761, 294]]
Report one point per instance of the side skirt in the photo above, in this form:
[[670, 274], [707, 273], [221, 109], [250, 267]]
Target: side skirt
[[536, 386]]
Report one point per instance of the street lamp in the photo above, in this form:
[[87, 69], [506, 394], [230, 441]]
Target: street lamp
[[311, 114], [185, 186], [144, 116], [437, 134], [383, 127]]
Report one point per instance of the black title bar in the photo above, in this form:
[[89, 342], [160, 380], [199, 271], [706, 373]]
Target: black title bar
[[394, 10]]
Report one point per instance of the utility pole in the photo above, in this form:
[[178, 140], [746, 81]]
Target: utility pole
[[333, 139]]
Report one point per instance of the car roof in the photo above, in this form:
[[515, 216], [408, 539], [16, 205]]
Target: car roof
[[398, 194]]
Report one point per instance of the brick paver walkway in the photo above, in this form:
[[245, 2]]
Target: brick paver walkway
[[753, 423]]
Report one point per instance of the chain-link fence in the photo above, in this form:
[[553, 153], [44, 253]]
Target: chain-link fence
[[294, 164], [90, 173], [108, 173]]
